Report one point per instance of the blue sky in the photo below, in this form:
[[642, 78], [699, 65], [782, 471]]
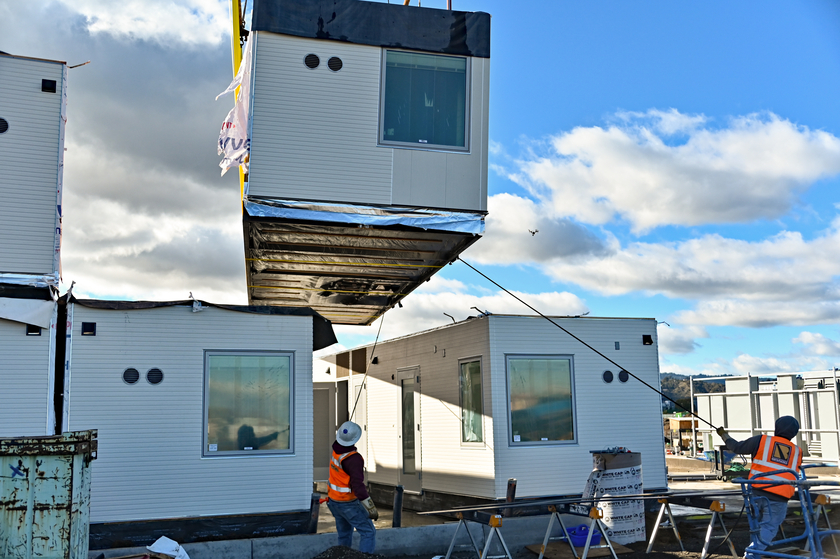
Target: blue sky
[[680, 160]]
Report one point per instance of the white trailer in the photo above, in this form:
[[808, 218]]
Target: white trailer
[[204, 418], [459, 410]]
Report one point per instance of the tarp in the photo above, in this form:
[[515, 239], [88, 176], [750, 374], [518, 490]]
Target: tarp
[[29, 280], [27, 311], [427, 219]]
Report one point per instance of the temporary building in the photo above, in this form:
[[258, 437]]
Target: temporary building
[[204, 415], [368, 144], [453, 413], [32, 117]]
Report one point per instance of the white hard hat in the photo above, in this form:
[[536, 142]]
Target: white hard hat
[[348, 434]]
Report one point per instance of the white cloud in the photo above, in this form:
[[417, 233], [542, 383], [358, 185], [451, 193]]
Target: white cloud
[[679, 340], [818, 344], [751, 169], [192, 23]]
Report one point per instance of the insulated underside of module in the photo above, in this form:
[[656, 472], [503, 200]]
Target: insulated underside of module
[[348, 273]]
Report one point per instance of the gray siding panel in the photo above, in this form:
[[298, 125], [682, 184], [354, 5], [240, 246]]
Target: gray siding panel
[[617, 414], [26, 381], [29, 164], [314, 131], [150, 436]]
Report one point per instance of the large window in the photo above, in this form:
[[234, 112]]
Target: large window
[[541, 394], [471, 402], [424, 100], [247, 403]]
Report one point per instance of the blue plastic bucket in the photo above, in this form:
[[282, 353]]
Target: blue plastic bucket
[[578, 535]]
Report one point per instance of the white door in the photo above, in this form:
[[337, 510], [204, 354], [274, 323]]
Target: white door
[[409, 405], [359, 416]]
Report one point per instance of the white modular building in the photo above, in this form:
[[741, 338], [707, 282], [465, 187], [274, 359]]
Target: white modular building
[[204, 414], [32, 118], [368, 131], [461, 409]]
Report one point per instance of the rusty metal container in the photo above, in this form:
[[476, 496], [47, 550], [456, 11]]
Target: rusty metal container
[[45, 495]]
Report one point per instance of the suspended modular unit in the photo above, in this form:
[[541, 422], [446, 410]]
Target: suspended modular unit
[[32, 118], [452, 413], [204, 415], [368, 151]]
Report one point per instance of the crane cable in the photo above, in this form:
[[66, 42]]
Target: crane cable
[[583, 342]]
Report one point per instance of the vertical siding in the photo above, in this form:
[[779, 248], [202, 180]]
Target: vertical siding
[[314, 132], [617, 414], [29, 171], [150, 436], [447, 465], [25, 381]]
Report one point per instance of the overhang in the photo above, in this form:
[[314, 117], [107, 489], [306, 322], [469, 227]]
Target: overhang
[[349, 263]]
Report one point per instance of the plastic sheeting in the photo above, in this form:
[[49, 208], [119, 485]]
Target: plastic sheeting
[[27, 311], [29, 280], [377, 24], [438, 220]]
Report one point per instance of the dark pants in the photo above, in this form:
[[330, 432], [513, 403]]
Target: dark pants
[[349, 515]]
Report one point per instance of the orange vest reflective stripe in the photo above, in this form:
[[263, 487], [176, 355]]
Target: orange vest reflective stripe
[[339, 489], [776, 453]]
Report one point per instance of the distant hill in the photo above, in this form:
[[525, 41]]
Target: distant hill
[[677, 388]]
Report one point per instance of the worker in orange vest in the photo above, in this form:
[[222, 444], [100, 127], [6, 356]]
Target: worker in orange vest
[[769, 454], [349, 501]]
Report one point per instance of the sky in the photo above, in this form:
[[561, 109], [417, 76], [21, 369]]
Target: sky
[[680, 161]]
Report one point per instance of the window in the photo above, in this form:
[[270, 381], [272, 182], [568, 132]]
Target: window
[[424, 100], [248, 403], [541, 395], [471, 402]]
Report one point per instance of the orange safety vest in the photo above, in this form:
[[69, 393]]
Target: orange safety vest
[[776, 453], [339, 489]]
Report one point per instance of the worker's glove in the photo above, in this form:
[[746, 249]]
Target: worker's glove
[[373, 514], [723, 434]]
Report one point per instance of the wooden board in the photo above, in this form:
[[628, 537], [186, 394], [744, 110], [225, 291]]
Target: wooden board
[[561, 550]]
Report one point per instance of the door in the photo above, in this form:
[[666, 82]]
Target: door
[[323, 428], [359, 416], [410, 471]]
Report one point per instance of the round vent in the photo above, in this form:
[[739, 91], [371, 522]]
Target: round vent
[[4, 125], [607, 376], [311, 61], [130, 376], [154, 376], [335, 64], [623, 376]]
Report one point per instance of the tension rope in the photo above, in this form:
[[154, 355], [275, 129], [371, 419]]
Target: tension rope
[[367, 368], [485, 276]]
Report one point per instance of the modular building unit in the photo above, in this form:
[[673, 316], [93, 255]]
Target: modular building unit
[[27, 361], [204, 416], [461, 409], [32, 118], [368, 151]]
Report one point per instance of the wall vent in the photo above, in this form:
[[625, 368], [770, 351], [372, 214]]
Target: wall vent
[[154, 376], [48, 86], [4, 125], [130, 376], [335, 64], [312, 61]]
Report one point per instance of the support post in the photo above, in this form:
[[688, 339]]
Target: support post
[[511, 496], [396, 522], [314, 509]]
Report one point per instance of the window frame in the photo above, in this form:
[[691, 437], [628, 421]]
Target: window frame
[[483, 442], [559, 356], [380, 139], [205, 452]]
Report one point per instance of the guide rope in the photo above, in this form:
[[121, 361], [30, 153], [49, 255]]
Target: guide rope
[[479, 272], [372, 354]]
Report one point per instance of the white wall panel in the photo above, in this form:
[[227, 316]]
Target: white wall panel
[[616, 414], [29, 164], [150, 436], [26, 382]]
